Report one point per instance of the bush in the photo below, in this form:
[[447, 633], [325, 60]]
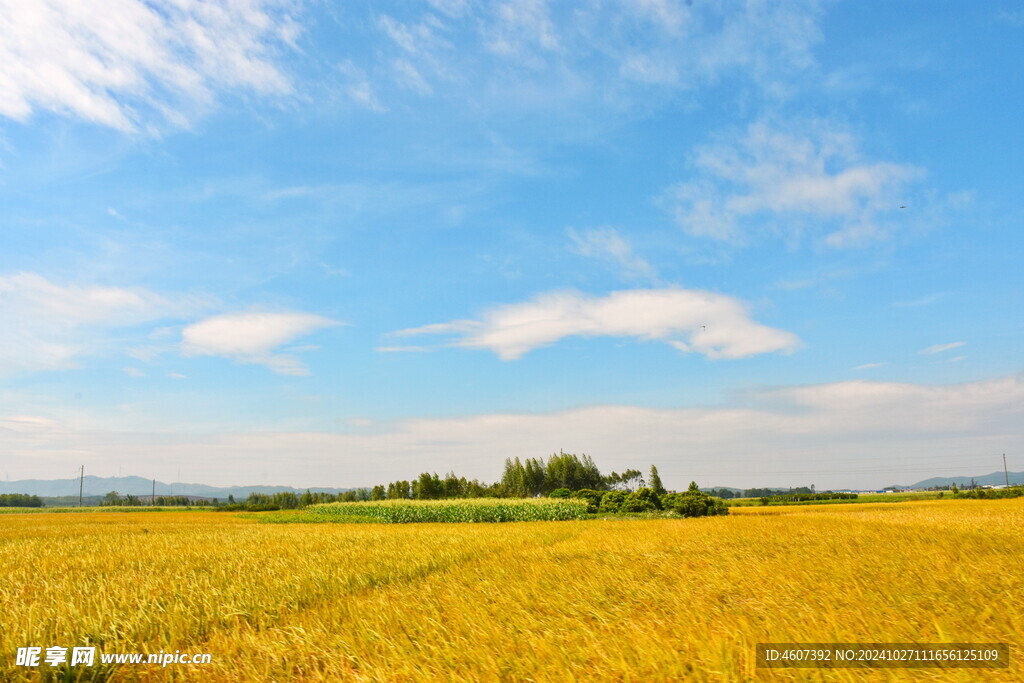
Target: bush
[[696, 503], [612, 501], [592, 497], [641, 500], [1012, 492], [560, 493]]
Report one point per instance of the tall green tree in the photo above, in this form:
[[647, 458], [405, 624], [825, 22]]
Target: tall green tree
[[654, 483], [513, 480], [631, 479]]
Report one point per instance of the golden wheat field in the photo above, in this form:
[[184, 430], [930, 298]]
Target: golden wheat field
[[637, 600]]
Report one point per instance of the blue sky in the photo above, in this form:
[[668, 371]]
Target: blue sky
[[753, 243]]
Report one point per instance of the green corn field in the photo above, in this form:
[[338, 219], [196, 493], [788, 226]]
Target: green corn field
[[469, 510]]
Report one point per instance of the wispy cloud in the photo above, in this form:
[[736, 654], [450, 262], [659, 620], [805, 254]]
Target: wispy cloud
[[916, 303], [825, 276], [555, 56], [522, 27], [939, 348], [405, 349], [606, 244], [48, 325], [869, 366], [359, 88], [714, 325], [856, 433], [253, 338], [788, 183], [134, 66]]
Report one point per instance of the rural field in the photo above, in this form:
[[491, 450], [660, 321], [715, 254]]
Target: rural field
[[594, 599]]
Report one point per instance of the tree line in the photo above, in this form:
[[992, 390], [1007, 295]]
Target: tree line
[[760, 493], [520, 479], [979, 493], [114, 498], [805, 497], [20, 500], [559, 475]]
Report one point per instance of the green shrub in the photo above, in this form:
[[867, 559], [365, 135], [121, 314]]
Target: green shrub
[[1012, 492], [592, 497], [560, 493], [696, 503], [612, 501], [641, 500]]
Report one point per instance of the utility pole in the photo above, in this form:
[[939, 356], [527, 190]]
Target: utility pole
[[81, 482], [1006, 472]]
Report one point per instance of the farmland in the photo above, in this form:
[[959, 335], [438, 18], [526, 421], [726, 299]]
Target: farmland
[[483, 510], [861, 498], [636, 599]]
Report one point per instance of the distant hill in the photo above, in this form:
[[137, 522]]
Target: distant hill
[[99, 486], [993, 479]]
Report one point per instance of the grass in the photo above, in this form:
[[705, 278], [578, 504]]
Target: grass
[[643, 599], [104, 509]]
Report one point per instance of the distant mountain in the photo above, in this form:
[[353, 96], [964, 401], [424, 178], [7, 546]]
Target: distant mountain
[[98, 486], [993, 479]]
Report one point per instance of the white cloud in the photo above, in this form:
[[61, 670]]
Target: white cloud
[[668, 15], [607, 244], [788, 182], [358, 87], [714, 325], [253, 338], [130, 64], [584, 58], [520, 27], [412, 78], [47, 326], [916, 303], [27, 423], [855, 433], [453, 8], [645, 69], [939, 348], [404, 349], [869, 366]]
